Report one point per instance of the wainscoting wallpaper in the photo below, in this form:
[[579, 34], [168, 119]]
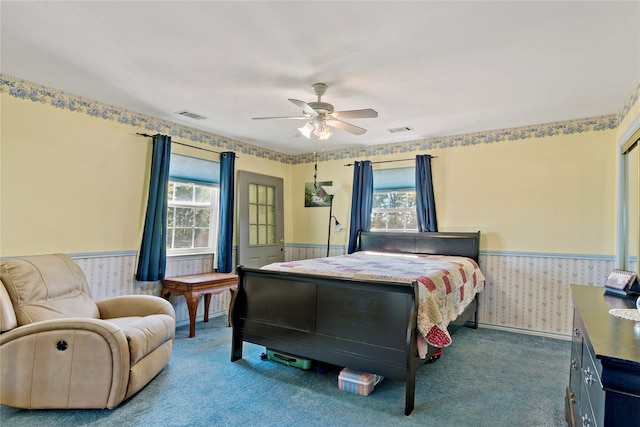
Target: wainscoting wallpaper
[[110, 276], [532, 292], [525, 292]]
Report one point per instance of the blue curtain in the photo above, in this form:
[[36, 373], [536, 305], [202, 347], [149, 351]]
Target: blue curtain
[[361, 202], [153, 251], [227, 189], [425, 200]]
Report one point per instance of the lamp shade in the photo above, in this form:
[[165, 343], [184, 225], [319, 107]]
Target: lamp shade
[[306, 130]]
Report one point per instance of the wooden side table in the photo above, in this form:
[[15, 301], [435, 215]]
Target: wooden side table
[[195, 285]]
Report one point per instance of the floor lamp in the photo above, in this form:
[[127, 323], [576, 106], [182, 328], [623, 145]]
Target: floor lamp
[[331, 191]]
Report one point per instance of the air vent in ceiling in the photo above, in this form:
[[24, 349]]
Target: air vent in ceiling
[[191, 115], [400, 129]]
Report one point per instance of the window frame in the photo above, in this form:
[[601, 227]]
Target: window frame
[[213, 220], [411, 210]]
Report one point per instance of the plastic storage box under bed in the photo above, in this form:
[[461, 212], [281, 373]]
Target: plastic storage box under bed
[[361, 383]]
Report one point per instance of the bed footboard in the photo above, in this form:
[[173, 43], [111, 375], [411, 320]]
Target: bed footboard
[[306, 315]]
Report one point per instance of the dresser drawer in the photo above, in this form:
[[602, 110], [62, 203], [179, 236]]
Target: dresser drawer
[[585, 417], [573, 400], [592, 384]]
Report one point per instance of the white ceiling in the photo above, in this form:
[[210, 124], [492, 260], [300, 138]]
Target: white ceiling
[[441, 68]]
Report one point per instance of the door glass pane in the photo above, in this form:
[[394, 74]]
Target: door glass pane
[[262, 214], [253, 191], [271, 215], [253, 234], [271, 195], [262, 194], [253, 214], [271, 234], [262, 234]]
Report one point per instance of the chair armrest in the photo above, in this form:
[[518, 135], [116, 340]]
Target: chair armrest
[[134, 305], [111, 332], [52, 364]]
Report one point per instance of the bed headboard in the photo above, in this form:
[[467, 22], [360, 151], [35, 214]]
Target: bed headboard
[[459, 244]]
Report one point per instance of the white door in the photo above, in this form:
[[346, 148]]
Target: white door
[[260, 219]]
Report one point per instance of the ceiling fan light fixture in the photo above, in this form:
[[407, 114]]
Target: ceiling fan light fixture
[[306, 129], [322, 131], [318, 114], [325, 135]]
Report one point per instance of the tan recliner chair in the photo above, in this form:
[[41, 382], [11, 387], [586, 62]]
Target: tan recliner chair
[[60, 349]]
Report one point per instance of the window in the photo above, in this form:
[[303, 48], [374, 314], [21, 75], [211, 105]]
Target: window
[[394, 210], [394, 200], [194, 193], [192, 218]]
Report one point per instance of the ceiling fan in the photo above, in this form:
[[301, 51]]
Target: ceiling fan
[[321, 116]]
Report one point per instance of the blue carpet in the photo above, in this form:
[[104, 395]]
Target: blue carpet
[[485, 378]]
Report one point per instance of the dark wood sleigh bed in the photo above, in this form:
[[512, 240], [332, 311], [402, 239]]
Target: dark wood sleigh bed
[[328, 319]]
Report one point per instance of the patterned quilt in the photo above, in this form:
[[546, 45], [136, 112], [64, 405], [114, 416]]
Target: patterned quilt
[[447, 284]]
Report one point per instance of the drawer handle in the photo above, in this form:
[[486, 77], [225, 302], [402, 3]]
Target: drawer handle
[[586, 421], [574, 364], [588, 376]]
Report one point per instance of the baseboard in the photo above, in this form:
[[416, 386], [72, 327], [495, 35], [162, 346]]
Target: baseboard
[[552, 335], [201, 318]]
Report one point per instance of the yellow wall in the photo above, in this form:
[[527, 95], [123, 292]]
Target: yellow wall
[[553, 194], [74, 183], [70, 182]]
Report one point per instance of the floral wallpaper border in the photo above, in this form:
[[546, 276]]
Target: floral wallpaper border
[[24, 89]]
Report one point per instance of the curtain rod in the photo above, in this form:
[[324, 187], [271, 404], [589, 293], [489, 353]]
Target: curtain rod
[[186, 145], [391, 161]]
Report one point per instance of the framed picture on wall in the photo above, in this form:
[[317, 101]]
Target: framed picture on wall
[[315, 196]]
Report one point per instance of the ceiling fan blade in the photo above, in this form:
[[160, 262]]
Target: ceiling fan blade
[[283, 117], [305, 107], [366, 113], [356, 130]]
